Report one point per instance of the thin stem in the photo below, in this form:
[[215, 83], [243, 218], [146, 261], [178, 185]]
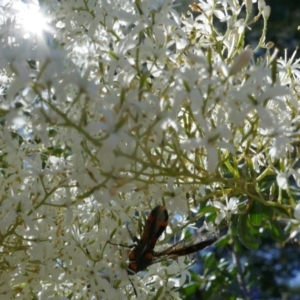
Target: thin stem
[[239, 274]]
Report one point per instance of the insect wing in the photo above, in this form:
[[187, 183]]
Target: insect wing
[[142, 255], [173, 252], [191, 249]]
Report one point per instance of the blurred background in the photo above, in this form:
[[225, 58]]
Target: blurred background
[[282, 24]]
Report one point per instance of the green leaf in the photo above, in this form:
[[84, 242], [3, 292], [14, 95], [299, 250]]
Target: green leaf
[[244, 233], [190, 289], [186, 86], [207, 209], [113, 233], [211, 217], [223, 241], [277, 232], [194, 276], [209, 260], [255, 214], [159, 291], [267, 212]]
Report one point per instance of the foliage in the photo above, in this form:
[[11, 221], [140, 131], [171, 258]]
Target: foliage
[[116, 106]]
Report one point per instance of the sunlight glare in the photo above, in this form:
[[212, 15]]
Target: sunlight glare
[[32, 20]]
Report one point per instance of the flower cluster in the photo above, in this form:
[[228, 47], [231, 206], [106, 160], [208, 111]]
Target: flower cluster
[[115, 106]]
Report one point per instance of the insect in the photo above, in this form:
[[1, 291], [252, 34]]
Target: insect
[[143, 255]]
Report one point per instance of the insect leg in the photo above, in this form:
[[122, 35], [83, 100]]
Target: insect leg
[[133, 237], [122, 245], [134, 289]]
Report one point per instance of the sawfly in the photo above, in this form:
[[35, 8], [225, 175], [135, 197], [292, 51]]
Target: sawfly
[[143, 255]]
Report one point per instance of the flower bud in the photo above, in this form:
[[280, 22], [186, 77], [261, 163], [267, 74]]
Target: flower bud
[[269, 45], [297, 211], [266, 12], [241, 61], [249, 6], [261, 4]]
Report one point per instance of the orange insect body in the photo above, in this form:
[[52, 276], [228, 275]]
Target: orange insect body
[[141, 256]]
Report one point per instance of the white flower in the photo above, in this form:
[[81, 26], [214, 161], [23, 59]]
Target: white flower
[[227, 210], [207, 230], [295, 223], [288, 66], [282, 181], [241, 61], [117, 109], [297, 211], [211, 142]]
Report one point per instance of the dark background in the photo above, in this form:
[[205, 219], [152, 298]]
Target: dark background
[[282, 24]]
